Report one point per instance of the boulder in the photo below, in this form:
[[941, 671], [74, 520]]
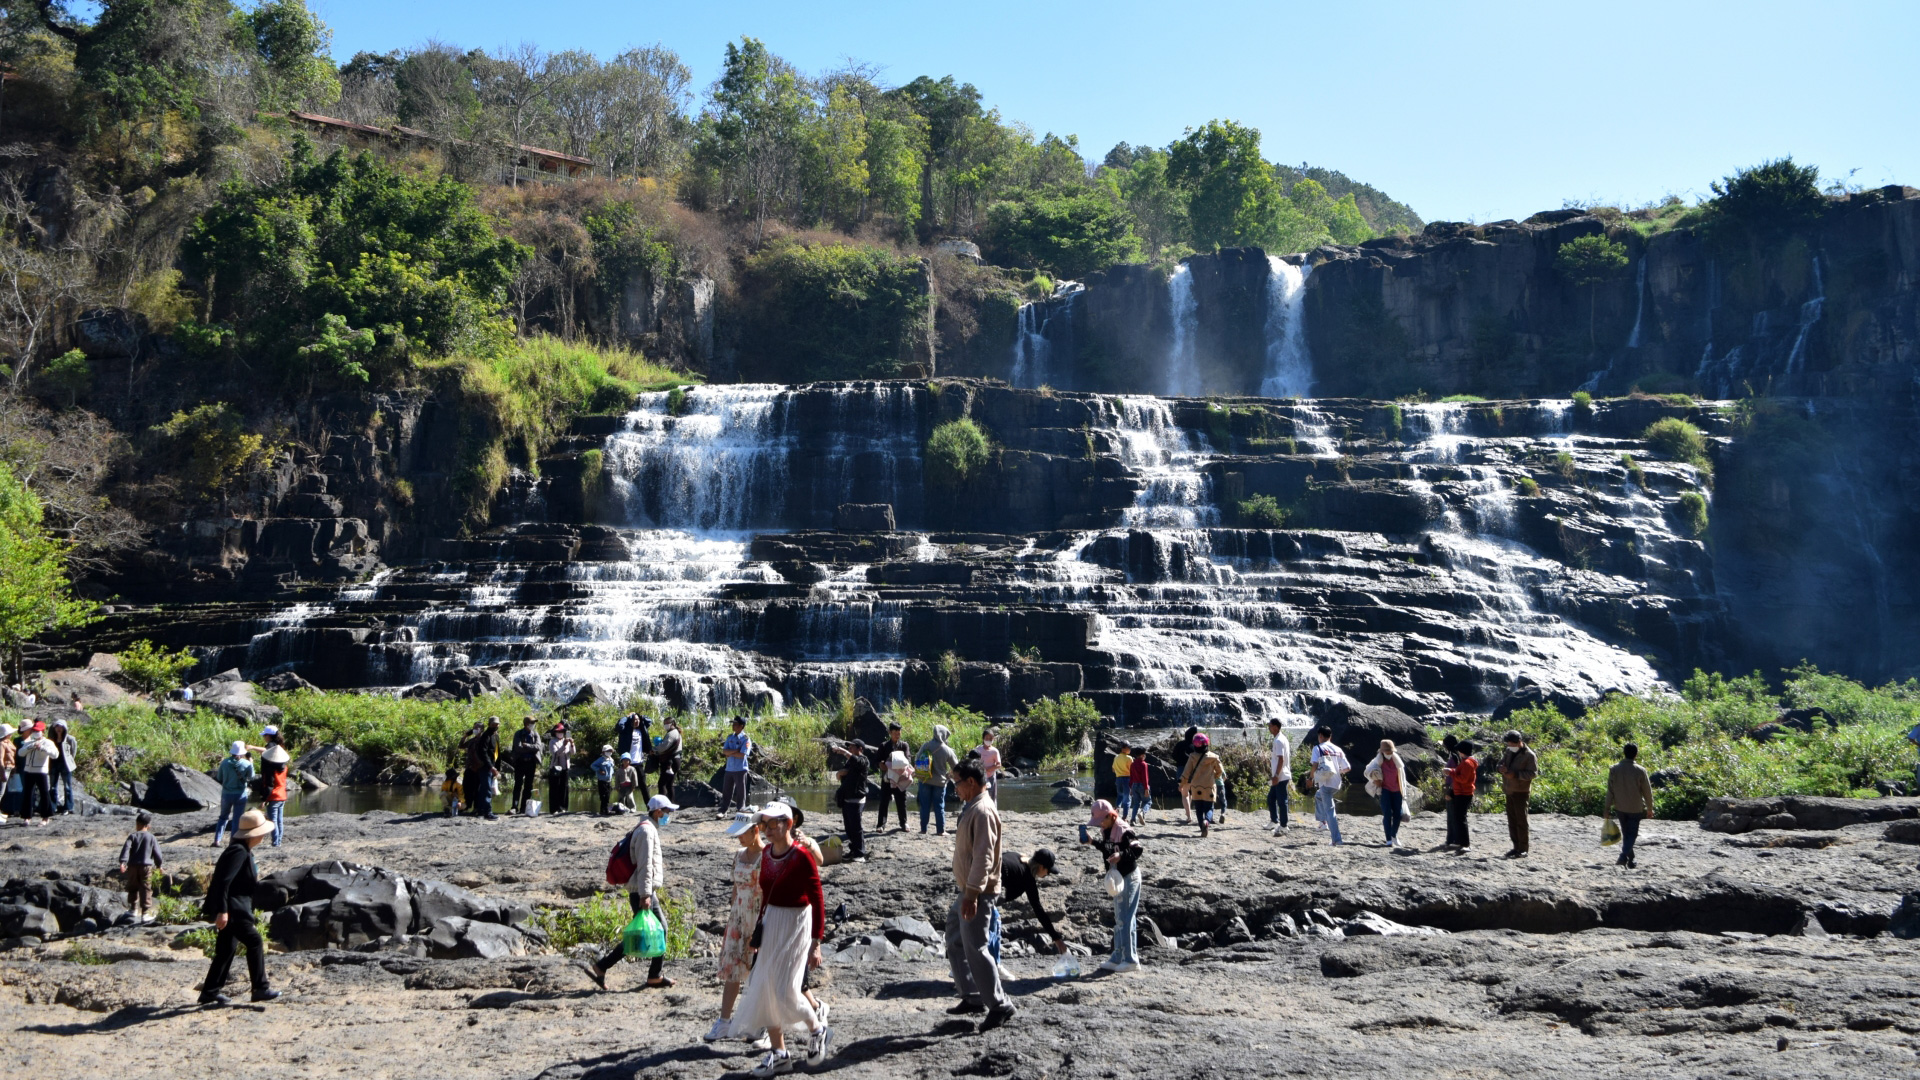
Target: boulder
[[863, 517], [1728, 815], [907, 928], [1234, 932], [1903, 832], [335, 905], [70, 903], [864, 948], [759, 789], [1070, 796], [435, 902], [174, 788], [867, 725], [226, 694], [26, 920], [286, 682], [1527, 697], [329, 763], [693, 793], [1905, 923], [467, 683], [459, 939], [1358, 729], [300, 926], [588, 695], [1369, 924]]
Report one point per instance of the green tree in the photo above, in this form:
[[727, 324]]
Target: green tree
[[35, 594], [154, 669], [755, 136], [1069, 234], [1770, 199], [292, 46], [832, 311], [1138, 178], [347, 270], [946, 108], [1589, 261], [1233, 198]]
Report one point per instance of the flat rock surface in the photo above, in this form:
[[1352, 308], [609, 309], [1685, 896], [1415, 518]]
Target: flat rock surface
[[1559, 965]]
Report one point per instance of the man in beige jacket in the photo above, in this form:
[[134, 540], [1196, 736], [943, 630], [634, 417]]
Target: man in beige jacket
[[1629, 794], [976, 875]]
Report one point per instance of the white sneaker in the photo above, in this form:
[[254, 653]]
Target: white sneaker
[[718, 1031], [818, 1042], [822, 1012], [764, 1042], [1108, 965], [1122, 969], [776, 1063]]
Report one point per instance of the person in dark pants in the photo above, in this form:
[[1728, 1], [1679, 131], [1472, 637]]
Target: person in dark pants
[[1630, 795], [229, 906], [559, 768], [890, 794], [1460, 775], [60, 774], [1518, 767], [649, 876], [603, 769], [524, 756], [737, 776], [1021, 877], [1279, 777], [481, 747], [852, 797], [667, 755]]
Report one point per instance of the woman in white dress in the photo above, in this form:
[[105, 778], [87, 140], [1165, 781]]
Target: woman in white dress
[[792, 923]]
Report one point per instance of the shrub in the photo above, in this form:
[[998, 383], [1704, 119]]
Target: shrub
[[1692, 508], [1070, 234], [154, 669], [597, 921], [1678, 440], [1770, 198], [1563, 464], [1051, 730], [832, 311], [1262, 512], [956, 451], [1527, 486], [1635, 474], [1461, 399], [1582, 407], [201, 938], [210, 445], [69, 375]]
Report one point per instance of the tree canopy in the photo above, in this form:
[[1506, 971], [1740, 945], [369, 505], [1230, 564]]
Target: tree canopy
[[35, 594]]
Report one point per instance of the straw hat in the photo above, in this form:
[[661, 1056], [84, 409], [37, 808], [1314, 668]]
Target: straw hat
[[253, 823]]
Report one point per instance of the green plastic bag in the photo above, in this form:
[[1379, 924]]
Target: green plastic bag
[[644, 938], [1609, 833]]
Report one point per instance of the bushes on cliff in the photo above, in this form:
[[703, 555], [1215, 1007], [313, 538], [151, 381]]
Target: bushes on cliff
[[1768, 200], [35, 594], [831, 311], [956, 451], [1678, 440], [348, 271], [1068, 234]]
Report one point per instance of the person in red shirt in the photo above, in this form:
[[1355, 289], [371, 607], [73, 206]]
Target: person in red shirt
[[792, 923], [1142, 784], [1461, 773]]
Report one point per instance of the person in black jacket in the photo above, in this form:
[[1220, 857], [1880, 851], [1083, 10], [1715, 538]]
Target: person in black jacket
[[481, 748], [889, 793], [229, 906], [852, 797], [525, 756], [1021, 877]]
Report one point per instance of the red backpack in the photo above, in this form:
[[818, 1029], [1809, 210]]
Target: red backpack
[[620, 863]]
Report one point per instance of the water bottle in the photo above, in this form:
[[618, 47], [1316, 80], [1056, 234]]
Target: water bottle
[[1067, 968]]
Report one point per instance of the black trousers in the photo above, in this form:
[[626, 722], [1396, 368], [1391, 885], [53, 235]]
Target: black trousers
[[242, 931], [666, 785], [856, 839], [1629, 832], [619, 952], [604, 788], [557, 792], [33, 795], [476, 792], [522, 786], [891, 796], [1457, 820]]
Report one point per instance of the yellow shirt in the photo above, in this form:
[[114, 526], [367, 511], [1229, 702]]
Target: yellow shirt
[[1123, 765], [451, 789]]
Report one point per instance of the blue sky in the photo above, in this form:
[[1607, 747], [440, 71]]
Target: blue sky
[[1467, 111]]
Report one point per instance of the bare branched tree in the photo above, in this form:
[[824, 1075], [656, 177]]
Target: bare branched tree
[[48, 271]]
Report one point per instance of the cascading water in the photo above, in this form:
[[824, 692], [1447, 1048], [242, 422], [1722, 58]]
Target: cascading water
[[1169, 460], [1810, 313], [1289, 367], [1032, 352], [1183, 366]]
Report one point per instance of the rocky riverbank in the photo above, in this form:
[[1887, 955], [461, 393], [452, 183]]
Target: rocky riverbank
[[1745, 954]]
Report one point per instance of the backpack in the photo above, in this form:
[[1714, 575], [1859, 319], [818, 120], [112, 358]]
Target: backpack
[[620, 863]]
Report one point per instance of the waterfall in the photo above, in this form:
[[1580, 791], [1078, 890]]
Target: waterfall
[[719, 464], [1810, 313], [1640, 305], [1032, 352], [1177, 492], [1438, 428], [1183, 368], [1289, 367]]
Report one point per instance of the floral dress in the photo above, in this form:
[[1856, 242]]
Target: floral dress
[[735, 958]]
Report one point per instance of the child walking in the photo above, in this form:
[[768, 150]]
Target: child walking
[[603, 778], [139, 858]]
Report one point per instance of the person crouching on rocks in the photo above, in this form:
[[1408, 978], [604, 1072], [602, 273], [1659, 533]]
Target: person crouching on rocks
[[743, 914], [1117, 843], [1198, 782], [976, 875], [643, 889], [229, 906], [793, 921], [1387, 782]]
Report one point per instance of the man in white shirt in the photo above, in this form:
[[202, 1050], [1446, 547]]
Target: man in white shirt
[[1329, 773], [1279, 776]]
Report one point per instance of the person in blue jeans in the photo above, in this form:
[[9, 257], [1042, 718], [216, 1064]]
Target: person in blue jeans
[[1114, 839], [234, 774], [733, 783], [61, 769], [932, 797], [1330, 769]]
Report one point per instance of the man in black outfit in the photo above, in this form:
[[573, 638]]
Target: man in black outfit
[[852, 797], [1021, 877], [525, 756], [229, 906], [481, 748], [888, 793]]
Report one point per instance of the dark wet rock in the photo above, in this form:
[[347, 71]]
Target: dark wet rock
[[437, 901], [26, 920], [468, 683], [589, 694], [863, 517], [1803, 812], [906, 928], [329, 763], [1903, 832], [174, 788], [71, 904], [460, 938], [285, 682], [1905, 923]]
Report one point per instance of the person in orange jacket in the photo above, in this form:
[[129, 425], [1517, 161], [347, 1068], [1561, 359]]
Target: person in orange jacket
[[1461, 773]]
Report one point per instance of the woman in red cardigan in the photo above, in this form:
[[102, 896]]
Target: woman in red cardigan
[[792, 924]]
